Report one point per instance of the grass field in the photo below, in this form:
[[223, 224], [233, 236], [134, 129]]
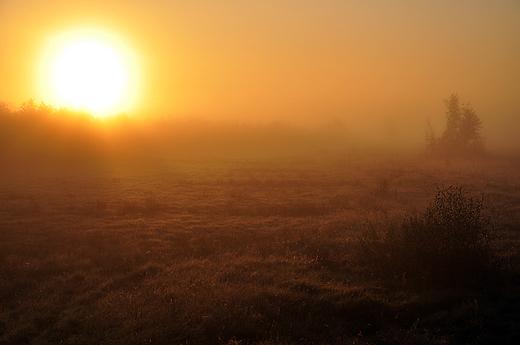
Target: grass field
[[240, 251]]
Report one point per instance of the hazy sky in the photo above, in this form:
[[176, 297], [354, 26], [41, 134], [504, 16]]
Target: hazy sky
[[379, 65]]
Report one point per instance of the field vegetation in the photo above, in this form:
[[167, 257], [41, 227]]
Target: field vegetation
[[269, 251], [186, 232]]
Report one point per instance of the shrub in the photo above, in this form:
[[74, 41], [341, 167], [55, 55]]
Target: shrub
[[448, 245]]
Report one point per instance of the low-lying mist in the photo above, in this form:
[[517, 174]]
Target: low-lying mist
[[41, 132]]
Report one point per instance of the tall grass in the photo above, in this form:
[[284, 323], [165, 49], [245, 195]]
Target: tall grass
[[449, 245], [260, 252]]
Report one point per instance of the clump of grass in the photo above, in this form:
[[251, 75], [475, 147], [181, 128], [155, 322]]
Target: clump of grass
[[97, 208], [383, 187], [447, 246], [149, 206], [27, 207]]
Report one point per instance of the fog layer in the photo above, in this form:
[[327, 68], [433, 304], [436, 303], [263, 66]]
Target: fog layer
[[379, 67]]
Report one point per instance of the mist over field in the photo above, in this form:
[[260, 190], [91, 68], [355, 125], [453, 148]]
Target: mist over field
[[379, 68], [136, 230], [259, 172], [40, 132]]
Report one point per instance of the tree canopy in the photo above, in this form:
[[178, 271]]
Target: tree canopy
[[461, 136]]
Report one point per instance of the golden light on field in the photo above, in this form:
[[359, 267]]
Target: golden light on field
[[90, 69]]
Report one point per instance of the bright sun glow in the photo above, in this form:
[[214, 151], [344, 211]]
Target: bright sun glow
[[89, 74], [90, 68]]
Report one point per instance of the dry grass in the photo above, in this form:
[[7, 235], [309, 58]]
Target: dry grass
[[237, 252]]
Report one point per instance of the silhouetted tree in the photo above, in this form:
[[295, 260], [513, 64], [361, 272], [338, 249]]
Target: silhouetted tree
[[462, 136], [469, 129], [28, 107], [4, 108], [42, 132], [453, 119], [431, 140]]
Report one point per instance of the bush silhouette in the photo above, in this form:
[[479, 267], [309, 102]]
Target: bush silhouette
[[447, 246], [462, 136]]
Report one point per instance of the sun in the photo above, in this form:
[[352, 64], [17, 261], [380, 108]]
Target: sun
[[89, 74], [89, 68]]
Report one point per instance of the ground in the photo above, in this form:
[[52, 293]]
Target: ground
[[239, 251]]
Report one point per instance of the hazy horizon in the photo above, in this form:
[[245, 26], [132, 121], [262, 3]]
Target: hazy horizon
[[273, 172], [380, 68]]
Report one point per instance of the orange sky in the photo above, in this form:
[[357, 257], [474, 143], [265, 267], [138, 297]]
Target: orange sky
[[382, 67]]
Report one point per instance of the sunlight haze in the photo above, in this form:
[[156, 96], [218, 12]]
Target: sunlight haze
[[89, 74], [273, 172], [380, 67]]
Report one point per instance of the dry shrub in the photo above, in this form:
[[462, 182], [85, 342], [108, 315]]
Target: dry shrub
[[447, 246]]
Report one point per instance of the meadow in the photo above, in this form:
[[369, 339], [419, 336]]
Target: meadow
[[241, 251]]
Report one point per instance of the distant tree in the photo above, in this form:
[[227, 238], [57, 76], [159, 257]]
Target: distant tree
[[469, 129], [431, 139], [4, 108], [28, 107], [461, 136], [46, 108], [453, 119]]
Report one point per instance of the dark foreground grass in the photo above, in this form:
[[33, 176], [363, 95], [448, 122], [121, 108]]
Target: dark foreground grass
[[240, 252]]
